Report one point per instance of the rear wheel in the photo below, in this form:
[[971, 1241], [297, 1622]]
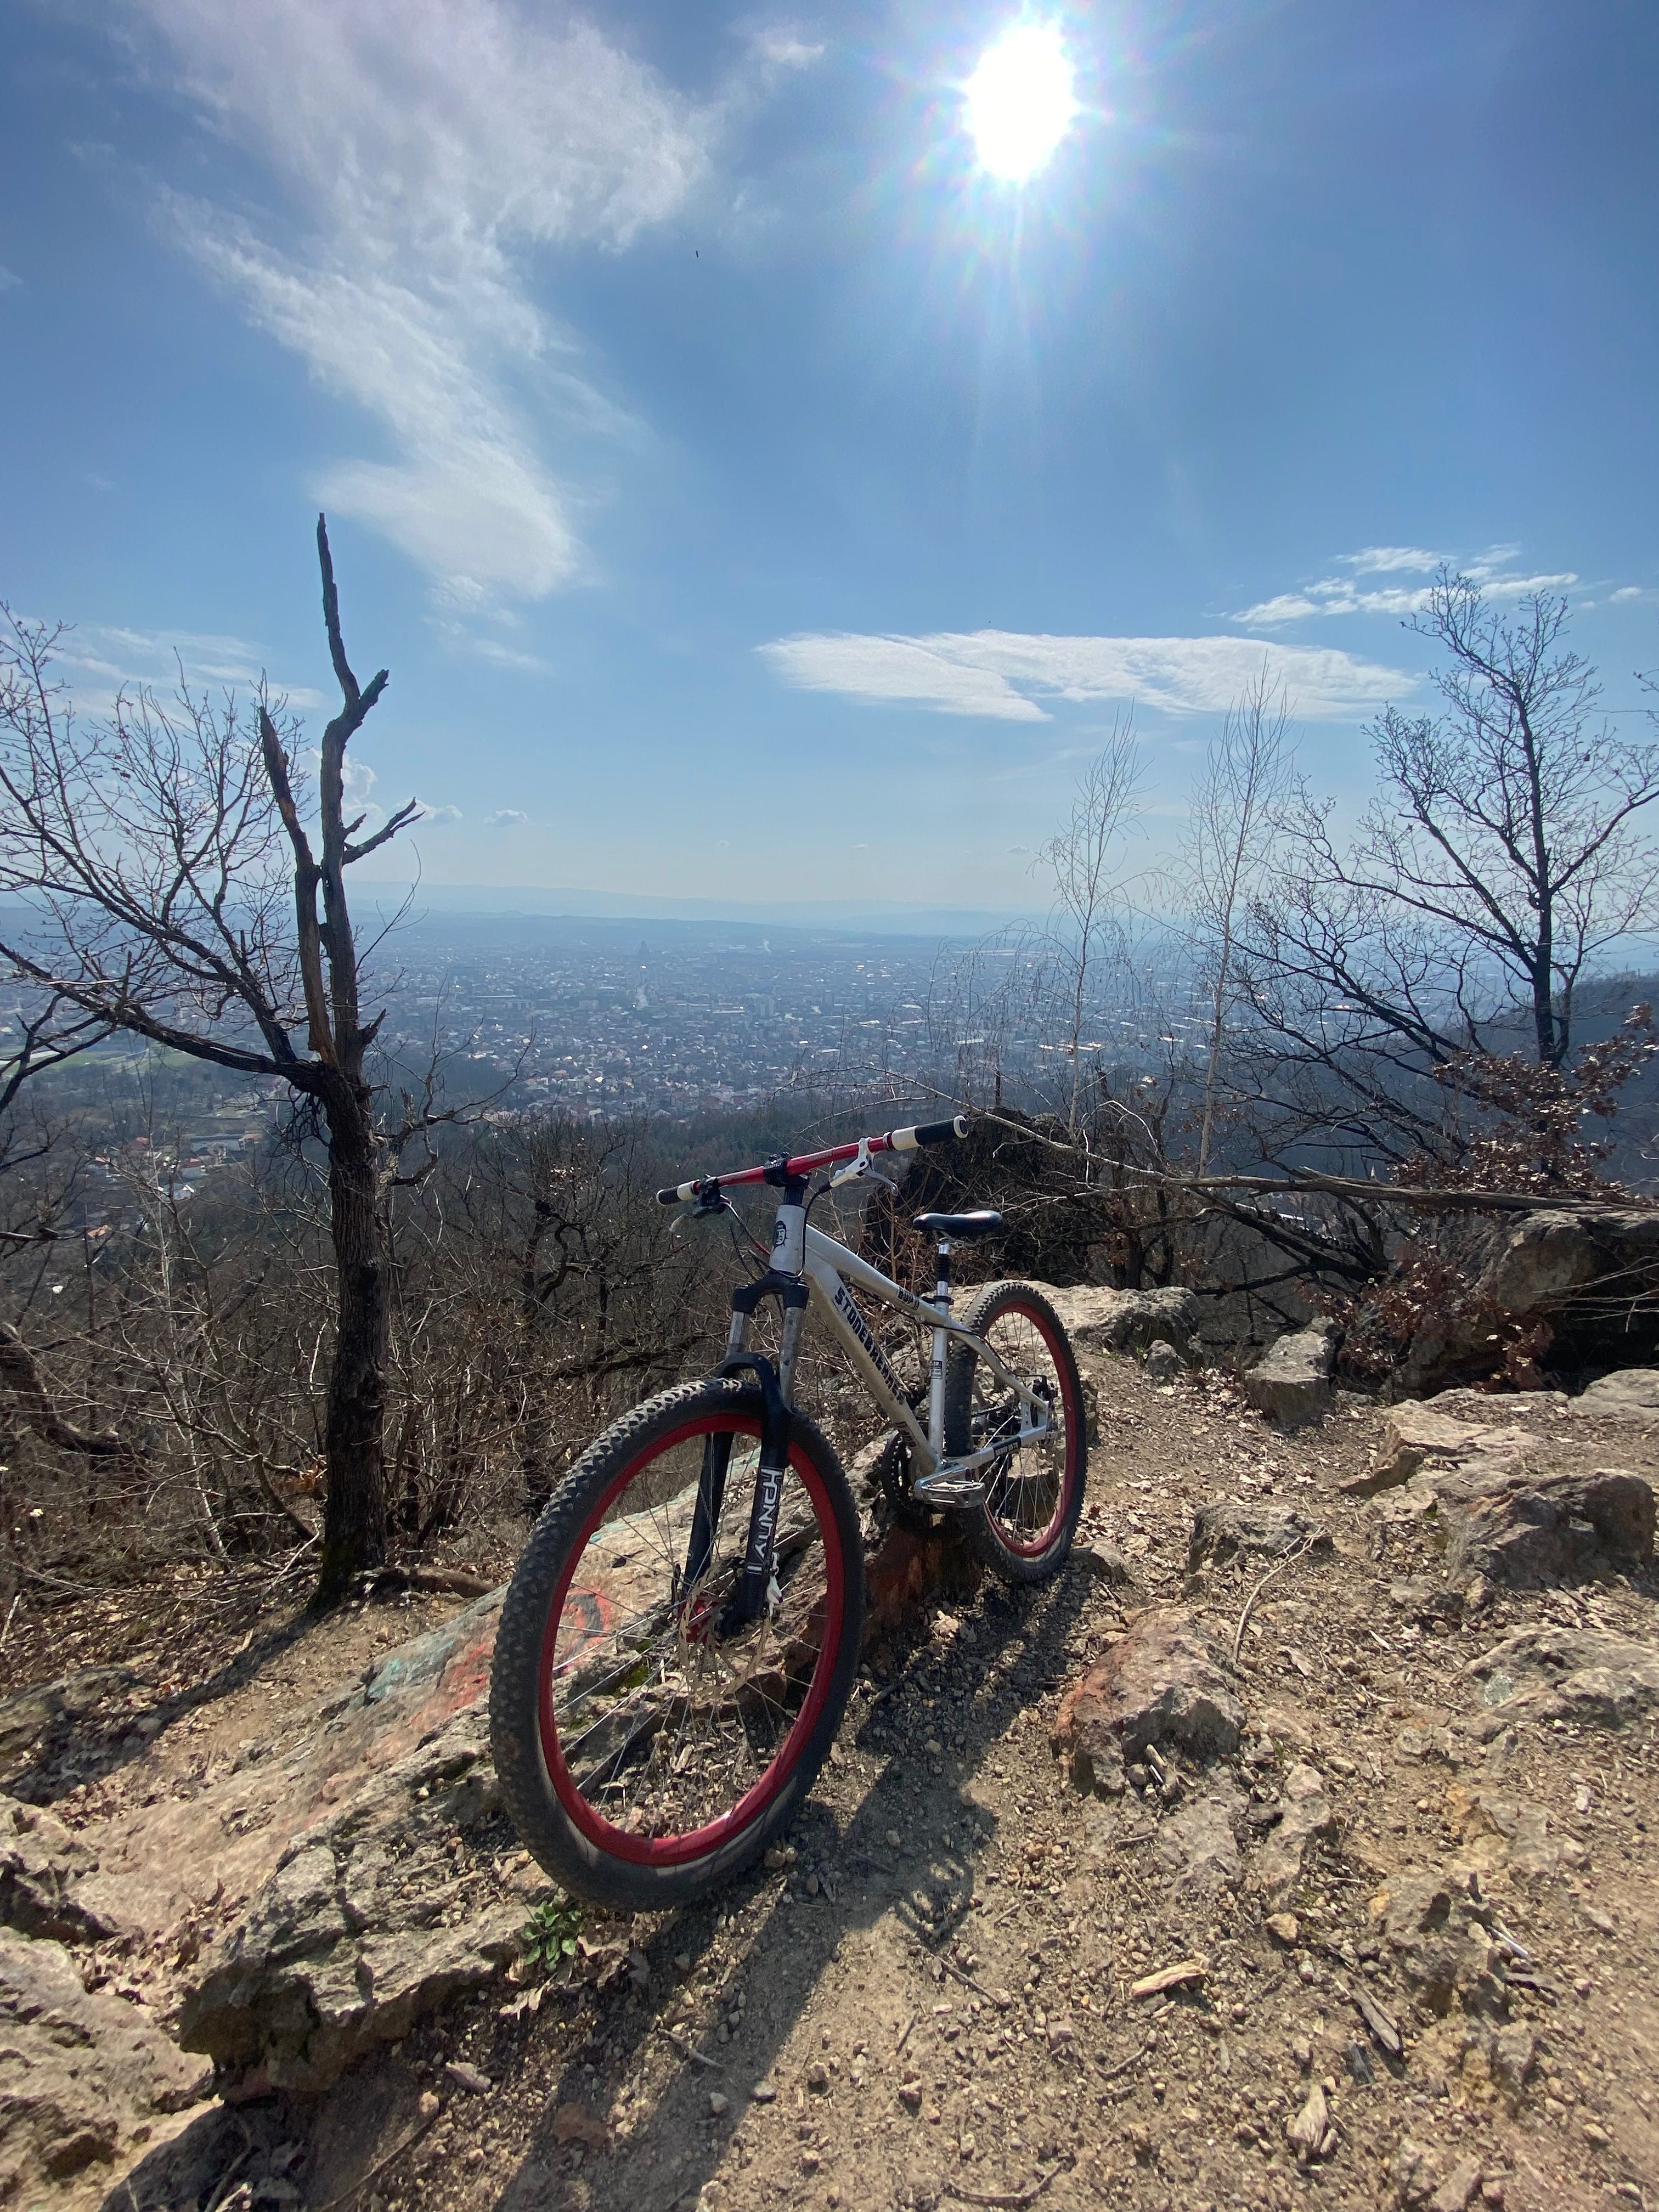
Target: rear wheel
[[649, 1742], [1034, 1492]]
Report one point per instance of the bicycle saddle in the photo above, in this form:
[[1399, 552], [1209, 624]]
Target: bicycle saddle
[[959, 1225]]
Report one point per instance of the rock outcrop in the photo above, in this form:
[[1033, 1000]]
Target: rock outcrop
[[1100, 1320], [1222, 1530], [85, 2076], [1305, 1819], [1581, 1675], [1164, 1680], [1547, 1257], [1530, 1530], [1505, 1513], [49, 1879], [1631, 1394], [1291, 1383]]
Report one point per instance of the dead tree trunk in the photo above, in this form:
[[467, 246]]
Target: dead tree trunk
[[353, 1446], [184, 895]]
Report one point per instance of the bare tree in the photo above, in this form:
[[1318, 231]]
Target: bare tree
[[175, 893], [1236, 809], [1501, 861], [1081, 858]]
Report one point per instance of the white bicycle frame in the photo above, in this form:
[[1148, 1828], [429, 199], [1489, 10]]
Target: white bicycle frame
[[800, 1252]]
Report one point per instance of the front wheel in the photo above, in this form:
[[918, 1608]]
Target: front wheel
[[650, 1739], [1034, 1491]]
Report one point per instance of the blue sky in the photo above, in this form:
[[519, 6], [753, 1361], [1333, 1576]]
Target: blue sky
[[751, 497]]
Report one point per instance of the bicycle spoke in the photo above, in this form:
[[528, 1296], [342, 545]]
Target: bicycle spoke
[[670, 1720]]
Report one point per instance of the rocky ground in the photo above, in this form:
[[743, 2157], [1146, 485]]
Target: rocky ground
[[1295, 1844]]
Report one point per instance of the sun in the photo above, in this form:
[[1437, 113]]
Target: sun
[[1019, 102]]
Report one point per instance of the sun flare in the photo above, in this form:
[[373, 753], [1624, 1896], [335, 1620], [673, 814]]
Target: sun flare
[[1019, 102]]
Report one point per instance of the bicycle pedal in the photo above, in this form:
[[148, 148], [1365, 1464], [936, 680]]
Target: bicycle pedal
[[949, 1490]]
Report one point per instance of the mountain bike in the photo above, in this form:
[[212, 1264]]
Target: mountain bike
[[678, 1643]]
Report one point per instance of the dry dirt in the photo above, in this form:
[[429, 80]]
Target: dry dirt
[[932, 2003]]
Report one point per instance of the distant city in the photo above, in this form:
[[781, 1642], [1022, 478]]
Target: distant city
[[608, 1016], [604, 1018]]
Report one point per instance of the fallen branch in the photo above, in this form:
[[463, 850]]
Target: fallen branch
[[1111, 2073], [1250, 1602], [1002, 2000], [1428, 1201], [380, 2165], [689, 2049], [1009, 2196], [22, 1378]]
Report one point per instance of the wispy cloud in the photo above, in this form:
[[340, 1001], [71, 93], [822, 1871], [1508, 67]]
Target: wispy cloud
[[506, 817], [8, 278], [440, 814], [1005, 676], [101, 659], [427, 149], [784, 47], [1495, 570]]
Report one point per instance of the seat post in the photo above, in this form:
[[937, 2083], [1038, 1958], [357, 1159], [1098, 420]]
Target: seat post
[[936, 1377]]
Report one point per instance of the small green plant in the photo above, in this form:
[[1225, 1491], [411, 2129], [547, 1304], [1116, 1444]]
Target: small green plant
[[549, 1936]]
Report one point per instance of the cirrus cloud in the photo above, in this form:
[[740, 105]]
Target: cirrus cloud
[[1494, 571], [424, 150], [1011, 677]]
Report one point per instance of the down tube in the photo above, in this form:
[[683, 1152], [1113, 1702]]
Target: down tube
[[834, 1302]]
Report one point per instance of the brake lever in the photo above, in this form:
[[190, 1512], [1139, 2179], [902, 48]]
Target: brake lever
[[855, 1169]]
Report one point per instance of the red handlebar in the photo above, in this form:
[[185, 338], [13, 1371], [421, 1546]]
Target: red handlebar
[[804, 1163]]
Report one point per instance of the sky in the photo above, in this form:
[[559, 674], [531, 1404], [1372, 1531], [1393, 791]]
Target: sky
[[757, 493]]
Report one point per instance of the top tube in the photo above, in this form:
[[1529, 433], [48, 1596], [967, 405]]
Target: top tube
[[780, 1171]]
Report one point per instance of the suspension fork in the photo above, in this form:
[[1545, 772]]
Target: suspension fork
[[785, 1282]]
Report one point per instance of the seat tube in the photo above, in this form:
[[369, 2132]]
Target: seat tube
[[941, 1342]]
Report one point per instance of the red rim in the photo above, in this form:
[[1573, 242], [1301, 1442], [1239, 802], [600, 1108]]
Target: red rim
[[1035, 1547], [698, 1842]]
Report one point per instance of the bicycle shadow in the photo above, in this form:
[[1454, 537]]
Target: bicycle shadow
[[786, 1942]]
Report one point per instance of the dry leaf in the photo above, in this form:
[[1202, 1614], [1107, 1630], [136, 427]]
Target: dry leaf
[[1187, 1975], [575, 2123]]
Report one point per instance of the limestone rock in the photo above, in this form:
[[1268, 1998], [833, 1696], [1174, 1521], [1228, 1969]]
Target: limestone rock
[[1230, 1526], [1413, 2172], [1436, 1925], [84, 2075], [1462, 1403], [49, 1879], [1162, 1362], [1510, 1835], [1100, 1320], [1583, 1675], [1429, 1604], [1306, 1819], [1421, 1438], [1164, 1680], [1529, 1530], [1548, 1256], [361, 1930], [1631, 1395], [1196, 1846], [1291, 1383]]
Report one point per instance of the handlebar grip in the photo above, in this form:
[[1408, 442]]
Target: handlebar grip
[[929, 1133], [679, 1195]]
